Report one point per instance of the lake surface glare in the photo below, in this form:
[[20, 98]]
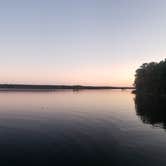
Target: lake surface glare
[[88, 127]]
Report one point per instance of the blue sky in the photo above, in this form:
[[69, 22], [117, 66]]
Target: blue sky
[[96, 42]]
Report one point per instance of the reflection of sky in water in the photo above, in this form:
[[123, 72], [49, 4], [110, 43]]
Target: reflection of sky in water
[[85, 125]]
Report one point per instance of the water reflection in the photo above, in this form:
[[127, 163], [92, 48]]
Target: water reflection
[[77, 128], [151, 109]]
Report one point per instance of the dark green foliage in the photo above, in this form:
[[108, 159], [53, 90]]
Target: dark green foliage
[[151, 77]]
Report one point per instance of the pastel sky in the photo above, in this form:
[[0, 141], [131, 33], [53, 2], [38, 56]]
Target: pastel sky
[[89, 42]]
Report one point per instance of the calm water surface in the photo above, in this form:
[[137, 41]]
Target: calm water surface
[[104, 127]]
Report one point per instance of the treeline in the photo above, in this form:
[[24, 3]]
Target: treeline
[[151, 77], [54, 87]]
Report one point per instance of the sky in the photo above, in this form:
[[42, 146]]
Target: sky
[[87, 42]]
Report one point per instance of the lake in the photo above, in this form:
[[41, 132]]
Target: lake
[[88, 127]]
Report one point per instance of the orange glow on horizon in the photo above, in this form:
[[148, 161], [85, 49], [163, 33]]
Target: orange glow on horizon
[[117, 75]]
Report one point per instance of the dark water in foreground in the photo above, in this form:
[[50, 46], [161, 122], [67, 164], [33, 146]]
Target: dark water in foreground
[[81, 128]]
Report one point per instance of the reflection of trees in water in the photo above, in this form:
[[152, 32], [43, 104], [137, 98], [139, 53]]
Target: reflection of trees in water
[[151, 109]]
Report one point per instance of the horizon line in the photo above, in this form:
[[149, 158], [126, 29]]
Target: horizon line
[[59, 86]]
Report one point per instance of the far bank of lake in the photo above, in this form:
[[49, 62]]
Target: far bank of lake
[[25, 87]]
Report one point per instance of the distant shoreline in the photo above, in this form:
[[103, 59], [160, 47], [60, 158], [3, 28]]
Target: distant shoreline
[[26, 87]]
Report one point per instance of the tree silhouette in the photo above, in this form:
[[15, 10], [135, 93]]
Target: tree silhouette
[[151, 77]]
